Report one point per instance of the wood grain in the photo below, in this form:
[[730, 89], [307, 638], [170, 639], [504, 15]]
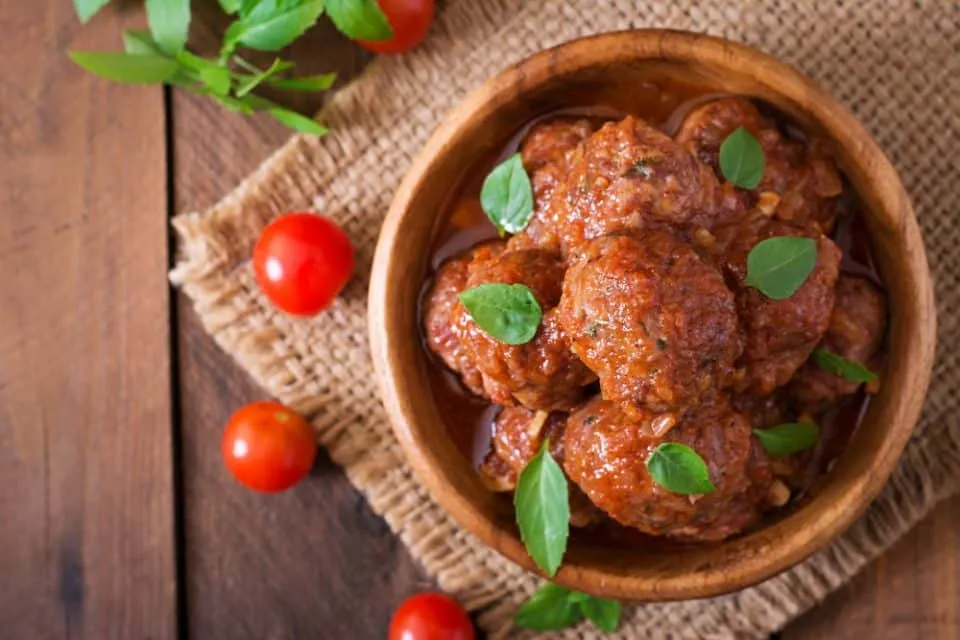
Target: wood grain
[[314, 562], [86, 467]]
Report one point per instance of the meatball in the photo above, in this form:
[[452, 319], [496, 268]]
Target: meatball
[[778, 334], [543, 373], [800, 181], [545, 152], [628, 176], [518, 434], [655, 322], [607, 450], [441, 337], [855, 332]]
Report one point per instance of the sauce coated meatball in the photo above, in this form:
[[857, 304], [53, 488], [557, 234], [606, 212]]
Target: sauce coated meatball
[[606, 453], [543, 373], [545, 152], [655, 322], [803, 177], [779, 334], [856, 330], [628, 176]]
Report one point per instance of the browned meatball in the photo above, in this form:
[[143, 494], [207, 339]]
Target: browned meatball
[[518, 434], [655, 322], [804, 177], [545, 152], [606, 454], [629, 176], [856, 330], [543, 373], [779, 334]]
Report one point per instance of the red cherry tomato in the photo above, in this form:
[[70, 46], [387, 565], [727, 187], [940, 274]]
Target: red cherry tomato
[[409, 20], [430, 616], [301, 262], [268, 447]]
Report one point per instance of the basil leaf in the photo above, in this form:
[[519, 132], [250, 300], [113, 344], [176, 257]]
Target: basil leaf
[[604, 613], [306, 83], [169, 22], [551, 608], [86, 9], [359, 19], [784, 439], [779, 266], [270, 26], [542, 508], [137, 41], [231, 7], [678, 468], [217, 78], [250, 83], [507, 312], [229, 102], [852, 371], [741, 159], [125, 67], [296, 121], [507, 196]]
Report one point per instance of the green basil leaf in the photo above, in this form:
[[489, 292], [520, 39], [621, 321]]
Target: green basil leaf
[[86, 9], [229, 102], [542, 506], [268, 30], [359, 19], [508, 312], [296, 121], [218, 79], [140, 42], [507, 196], [125, 67], [169, 22], [231, 7], [785, 439], [605, 614], [251, 82], [852, 371], [741, 159], [678, 468], [551, 608], [307, 83], [779, 266]]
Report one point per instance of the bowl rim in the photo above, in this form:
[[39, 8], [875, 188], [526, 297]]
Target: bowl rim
[[777, 76]]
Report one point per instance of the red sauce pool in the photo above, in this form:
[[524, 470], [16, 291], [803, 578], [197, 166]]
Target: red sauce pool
[[469, 419]]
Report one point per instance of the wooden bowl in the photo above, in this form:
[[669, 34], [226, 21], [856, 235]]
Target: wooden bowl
[[608, 64]]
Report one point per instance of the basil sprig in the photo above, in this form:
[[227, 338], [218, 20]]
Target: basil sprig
[[678, 468], [508, 312], [542, 506], [778, 266], [160, 56], [789, 438], [553, 607], [741, 159], [852, 371], [507, 196]]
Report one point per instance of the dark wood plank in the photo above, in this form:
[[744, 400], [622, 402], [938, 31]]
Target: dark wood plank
[[910, 593], [86, 489], [314, 562]]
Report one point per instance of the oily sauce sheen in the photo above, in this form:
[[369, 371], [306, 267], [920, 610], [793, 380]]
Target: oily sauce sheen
[[463, 224]]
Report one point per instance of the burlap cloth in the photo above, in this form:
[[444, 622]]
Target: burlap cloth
[[897, 65]]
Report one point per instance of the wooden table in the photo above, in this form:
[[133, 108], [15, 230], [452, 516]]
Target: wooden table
[[117, 518]]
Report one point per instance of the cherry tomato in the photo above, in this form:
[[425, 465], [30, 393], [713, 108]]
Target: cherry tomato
[[268, 447], [430, 616], [301, 262], [409, 20]]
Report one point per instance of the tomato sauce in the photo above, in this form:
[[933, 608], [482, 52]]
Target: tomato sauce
[[469, 419]]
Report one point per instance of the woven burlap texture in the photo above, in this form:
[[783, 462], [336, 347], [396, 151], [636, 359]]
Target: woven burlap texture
[[897, 65]]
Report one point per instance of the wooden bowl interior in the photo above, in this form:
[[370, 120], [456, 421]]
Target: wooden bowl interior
[[578, 75]]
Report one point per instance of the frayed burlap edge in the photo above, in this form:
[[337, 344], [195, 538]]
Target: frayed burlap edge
[[378, 123]]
